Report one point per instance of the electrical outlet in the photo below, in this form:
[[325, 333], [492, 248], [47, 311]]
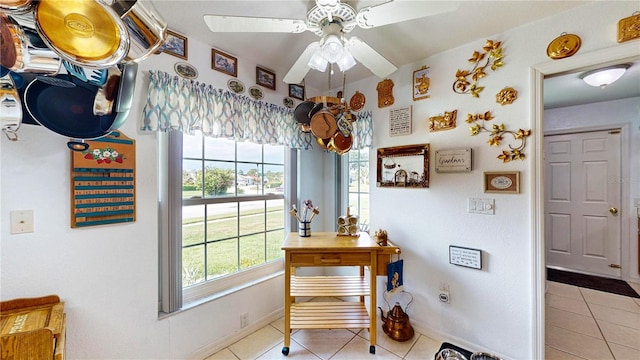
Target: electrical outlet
[[443, 294], [244, 320], [444, 297]]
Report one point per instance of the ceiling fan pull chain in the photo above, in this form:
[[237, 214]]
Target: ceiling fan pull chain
[[344, 81]]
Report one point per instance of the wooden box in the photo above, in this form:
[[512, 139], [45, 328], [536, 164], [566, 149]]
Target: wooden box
[[32, 328]]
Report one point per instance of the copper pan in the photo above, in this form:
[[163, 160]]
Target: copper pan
[[23, 50], [340, 144], [323, 124], [16, 6], [84, 32]]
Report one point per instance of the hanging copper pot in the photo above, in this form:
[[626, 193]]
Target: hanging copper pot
[[323, 124], [22, 49]]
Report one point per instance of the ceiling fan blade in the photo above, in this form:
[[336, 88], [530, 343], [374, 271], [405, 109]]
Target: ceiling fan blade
[[396, 11], [224, 23], [300, 68], [370, 58]]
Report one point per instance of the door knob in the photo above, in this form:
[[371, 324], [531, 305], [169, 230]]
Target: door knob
[[614, 211]]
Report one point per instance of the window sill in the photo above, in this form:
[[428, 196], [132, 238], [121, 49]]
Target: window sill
[[218, 295]]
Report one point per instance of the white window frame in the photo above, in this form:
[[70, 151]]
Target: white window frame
[[172, 297]]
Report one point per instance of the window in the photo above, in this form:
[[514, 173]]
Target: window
[[359, 185], [232, 211]]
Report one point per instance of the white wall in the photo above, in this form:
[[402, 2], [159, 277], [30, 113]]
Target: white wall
[[624, 114], [492, 308], [108, 275]]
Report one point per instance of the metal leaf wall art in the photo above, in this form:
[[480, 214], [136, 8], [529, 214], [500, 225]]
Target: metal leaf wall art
[[467, 80], [497, 135]]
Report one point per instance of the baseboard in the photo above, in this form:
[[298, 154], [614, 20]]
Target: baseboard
[[226, 341]]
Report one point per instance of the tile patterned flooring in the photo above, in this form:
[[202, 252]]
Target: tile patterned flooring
[[580, 324]]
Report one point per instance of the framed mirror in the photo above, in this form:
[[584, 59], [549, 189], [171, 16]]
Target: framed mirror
[[403, 166]]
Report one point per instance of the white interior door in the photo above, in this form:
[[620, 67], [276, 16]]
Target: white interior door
[[582, 202]]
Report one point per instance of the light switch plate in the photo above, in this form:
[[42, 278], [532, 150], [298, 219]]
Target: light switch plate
[[21, 221], [636, 202], [481, 206]]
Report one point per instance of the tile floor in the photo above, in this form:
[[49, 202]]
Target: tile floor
[[589, 324], [580, 324]]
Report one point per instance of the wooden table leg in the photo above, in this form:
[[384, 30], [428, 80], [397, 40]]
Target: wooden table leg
[[287, 305]]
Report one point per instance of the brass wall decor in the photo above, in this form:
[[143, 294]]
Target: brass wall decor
[[563, 46], [385, 93], [506, 96], [629, 27], [446, 122], [497, 135], [421, 83], [403, 166], [492, 56], [357, 101]]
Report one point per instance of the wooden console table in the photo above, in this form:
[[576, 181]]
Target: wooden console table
[[328, 249]]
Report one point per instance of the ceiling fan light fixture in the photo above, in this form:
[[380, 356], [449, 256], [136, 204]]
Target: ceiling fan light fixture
[[604, 76], [347, 61], [332, 49], [317, 61]]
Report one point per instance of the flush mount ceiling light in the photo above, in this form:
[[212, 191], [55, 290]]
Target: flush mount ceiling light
[[604, 76]]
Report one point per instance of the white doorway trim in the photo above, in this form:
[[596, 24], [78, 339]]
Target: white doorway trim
[[619, 53]]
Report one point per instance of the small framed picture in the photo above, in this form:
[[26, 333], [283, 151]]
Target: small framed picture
[[265, 78], [502, 182], [296, 91], [176, 45], [224, 62]]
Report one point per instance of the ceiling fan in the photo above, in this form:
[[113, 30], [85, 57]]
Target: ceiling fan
[[332, 20]]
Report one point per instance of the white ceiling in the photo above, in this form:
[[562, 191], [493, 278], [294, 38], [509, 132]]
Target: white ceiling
[[401, 43]]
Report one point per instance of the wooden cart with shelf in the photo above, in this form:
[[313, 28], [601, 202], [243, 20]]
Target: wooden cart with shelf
[[328, 249]]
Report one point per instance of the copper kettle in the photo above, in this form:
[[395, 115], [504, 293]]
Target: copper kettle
[[396, 324]]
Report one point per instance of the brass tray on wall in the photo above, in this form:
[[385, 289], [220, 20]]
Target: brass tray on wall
[[564, 46], [403, 166]]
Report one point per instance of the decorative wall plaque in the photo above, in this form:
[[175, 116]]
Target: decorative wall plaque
[[453, 160], [400, 121], [564, 46], [446, 122], [502, 182], [385, 93], [103, 182], [506, 96], [629, 27], [421, 83], [465, 257]]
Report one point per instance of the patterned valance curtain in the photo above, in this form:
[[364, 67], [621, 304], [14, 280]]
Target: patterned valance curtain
[[174, 103]]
